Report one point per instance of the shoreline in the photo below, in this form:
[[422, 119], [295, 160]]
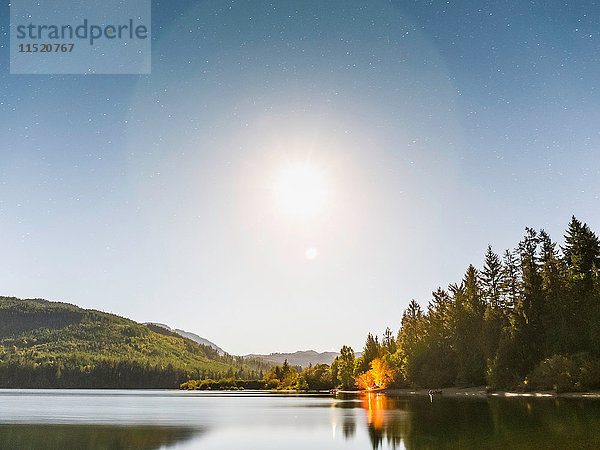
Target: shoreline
[[477, 392], [481, 392]]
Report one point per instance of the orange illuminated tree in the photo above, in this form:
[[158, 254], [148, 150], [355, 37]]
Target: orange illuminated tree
[[381, 375]]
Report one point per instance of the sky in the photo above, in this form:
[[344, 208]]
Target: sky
[[428, 129]]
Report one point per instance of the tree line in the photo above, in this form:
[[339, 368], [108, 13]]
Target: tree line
[[529, 319], [57, 345]]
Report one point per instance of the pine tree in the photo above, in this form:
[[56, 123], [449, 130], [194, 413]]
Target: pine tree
[[411, 331], [388, 343], [560, 335], [437, 365], [371, 349], [530, 303], [345, 367], [582, 257], [581, 251], [527, 331], [510, 281], [438, 312], [468, 327], [473, 292], [491, 278]]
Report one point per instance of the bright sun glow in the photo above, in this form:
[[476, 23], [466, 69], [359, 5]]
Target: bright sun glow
[[300, 190], [311, 253]]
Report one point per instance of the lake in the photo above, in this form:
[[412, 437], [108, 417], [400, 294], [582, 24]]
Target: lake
[[111, 419]]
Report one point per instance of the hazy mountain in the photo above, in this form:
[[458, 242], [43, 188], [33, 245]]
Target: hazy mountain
[[189, 335], [299, 358]]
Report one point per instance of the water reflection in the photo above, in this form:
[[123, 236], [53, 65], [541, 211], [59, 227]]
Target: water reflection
[[413, 423], [187, 421], [387, 418], [349, 427], [28, 436]]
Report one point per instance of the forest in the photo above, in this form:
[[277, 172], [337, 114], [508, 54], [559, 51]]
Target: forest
[[526, 320], [58, 345]]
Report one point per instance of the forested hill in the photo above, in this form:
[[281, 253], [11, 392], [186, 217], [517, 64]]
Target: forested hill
[[299, 358], [193, 336], [51, 345]]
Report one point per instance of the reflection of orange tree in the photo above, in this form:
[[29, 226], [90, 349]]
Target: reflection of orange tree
[[375, 405], [381, 375], [387, 418]]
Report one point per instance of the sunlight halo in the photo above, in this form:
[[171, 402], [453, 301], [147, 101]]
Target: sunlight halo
[[300, 191]]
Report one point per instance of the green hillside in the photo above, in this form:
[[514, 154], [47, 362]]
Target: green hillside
[[52, 345]]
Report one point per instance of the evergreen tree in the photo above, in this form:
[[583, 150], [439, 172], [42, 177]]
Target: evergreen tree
[[530, 304], [438, 368], [410, 339], [492, 282], [371, 350], [521, 345], [388, 343], [491, 278], [468, 323], [411, 332], [558, 323], [582, 258], [439, 310], [472, 292], [345, 367], [510, 286], [581, 250]]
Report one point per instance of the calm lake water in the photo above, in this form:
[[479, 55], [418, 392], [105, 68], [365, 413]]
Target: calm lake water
[[73, 419]]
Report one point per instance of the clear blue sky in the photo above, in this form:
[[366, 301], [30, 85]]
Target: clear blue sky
[[438, 127]]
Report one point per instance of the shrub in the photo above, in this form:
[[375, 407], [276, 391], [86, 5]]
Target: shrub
[[273, 383], [578, 372]]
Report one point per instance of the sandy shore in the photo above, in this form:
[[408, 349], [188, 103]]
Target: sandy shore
[[481, 392]]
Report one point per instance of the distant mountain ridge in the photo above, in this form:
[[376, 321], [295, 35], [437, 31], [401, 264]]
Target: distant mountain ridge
[[189, 335], [302, 358]]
